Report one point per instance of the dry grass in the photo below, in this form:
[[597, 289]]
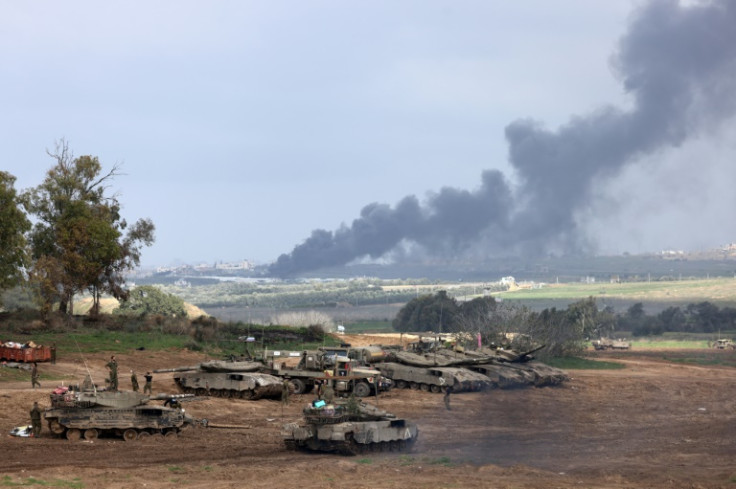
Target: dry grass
[[108, 304]]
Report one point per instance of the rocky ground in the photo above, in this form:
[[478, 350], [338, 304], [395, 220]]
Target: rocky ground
[[651, 425]]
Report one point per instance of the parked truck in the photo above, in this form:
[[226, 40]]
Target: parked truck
[[326, 365]]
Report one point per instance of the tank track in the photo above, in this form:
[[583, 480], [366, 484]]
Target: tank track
[[351, 447], [130, 434]]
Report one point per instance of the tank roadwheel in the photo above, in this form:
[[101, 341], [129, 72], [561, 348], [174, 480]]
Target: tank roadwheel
[[401, 384], [130, 435], [170, 435], [424, 387], [55, 427], [362, 390], [414, 385], [144, 435], [247, 395], [157, 437], [435, 388], [299, 386], [73, 434], [90, 434]]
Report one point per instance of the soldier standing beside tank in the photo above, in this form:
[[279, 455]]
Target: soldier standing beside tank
[[113, 366], [34, 376], [36, 420], [285, 391], [329, 393], [148, 386], [448, 391], [134, 381]]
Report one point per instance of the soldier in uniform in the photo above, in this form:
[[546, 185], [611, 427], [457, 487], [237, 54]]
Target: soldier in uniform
[[328, 393], [448, 391], [148, 386], [34, 376], [134, 381], [113, 366], [36, 420], [285, 390]]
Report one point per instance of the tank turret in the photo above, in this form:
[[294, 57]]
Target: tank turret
[[349, 427]]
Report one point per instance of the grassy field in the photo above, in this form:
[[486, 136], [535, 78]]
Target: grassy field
[[720, 290]]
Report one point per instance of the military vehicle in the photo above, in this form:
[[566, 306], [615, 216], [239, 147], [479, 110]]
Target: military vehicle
[[723, 344], [227, 379], [611, 344], [89, 413], [346, 375], [432, 366], [511, 375], [349, 427], [433, 379]]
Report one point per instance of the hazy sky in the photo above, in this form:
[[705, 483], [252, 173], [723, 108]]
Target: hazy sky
[[243, 126]]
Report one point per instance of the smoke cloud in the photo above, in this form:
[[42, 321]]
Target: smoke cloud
[[678, 65]]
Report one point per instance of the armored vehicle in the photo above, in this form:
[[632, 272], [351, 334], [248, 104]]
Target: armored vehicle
[[89, 413], [349, 427], [228, 379], [611, 344], [511, 375], [723, 344], [434, 379]]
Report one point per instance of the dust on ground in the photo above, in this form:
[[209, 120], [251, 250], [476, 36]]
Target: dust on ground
[[651, 425]]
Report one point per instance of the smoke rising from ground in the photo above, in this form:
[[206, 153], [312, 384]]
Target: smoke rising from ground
[[678, 65]]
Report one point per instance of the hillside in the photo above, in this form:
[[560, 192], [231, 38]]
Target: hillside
[[108, 304]]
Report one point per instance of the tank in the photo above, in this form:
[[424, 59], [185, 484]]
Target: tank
[[433, 379], [611, 344], [88, 413], [468, 370], [349, 427], [228, 379]]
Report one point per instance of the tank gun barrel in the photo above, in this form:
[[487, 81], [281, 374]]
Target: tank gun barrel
[[166, 397], [205, 423], [175, 369]]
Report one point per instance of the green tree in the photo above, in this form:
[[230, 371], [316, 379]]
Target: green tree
[[13, 226], [80, 233], [428, 313], [148, 299]]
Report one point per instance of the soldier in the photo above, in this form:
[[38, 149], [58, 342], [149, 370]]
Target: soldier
[[148, 386], [448, 391], [36, 420], [134, 381], [328, 393], [34, 376], [113, 366], [285, 390]]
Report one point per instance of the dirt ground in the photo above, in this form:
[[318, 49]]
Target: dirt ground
[[651, 425]]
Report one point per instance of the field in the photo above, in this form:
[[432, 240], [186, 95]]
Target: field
[[655, 423], [381, 300]]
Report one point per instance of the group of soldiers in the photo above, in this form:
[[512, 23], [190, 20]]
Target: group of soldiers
[[112, 381]]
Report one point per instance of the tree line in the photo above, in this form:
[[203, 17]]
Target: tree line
[[563, 331], [67, 236]]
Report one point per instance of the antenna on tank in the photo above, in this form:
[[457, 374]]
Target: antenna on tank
[[86, 367]]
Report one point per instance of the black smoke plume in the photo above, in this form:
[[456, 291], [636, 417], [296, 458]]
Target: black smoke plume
[[677, 63]]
